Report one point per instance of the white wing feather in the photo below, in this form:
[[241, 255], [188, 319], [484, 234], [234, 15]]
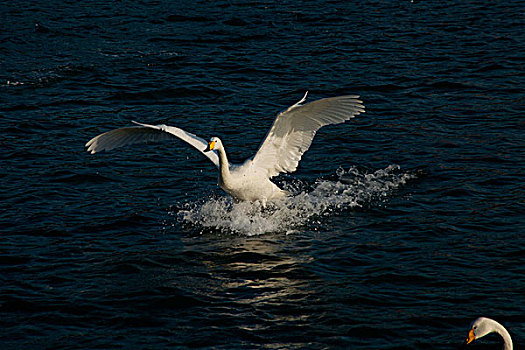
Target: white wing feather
[[147, 133], [293, 130]]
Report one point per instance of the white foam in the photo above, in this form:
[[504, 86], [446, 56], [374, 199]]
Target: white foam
[[344, 190]]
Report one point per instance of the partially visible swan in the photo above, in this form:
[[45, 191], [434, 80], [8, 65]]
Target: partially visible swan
[[483, 326], [289, 137]]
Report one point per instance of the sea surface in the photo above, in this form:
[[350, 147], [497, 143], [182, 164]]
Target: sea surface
[[407, 222]]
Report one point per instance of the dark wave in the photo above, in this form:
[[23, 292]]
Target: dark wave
[[138, 248]]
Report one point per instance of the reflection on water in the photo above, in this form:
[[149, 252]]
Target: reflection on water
[[345, 189], [258, 278]]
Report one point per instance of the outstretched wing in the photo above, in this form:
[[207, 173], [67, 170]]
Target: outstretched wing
[[293, 130], [146, 133]]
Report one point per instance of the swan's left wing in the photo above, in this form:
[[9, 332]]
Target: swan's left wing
[[147, 133], [293, 130]]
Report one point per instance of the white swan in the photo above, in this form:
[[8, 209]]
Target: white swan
[[289, 137], [483, 326]]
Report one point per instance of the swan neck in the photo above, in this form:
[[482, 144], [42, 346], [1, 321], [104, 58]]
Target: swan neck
[[507, 340], [224, 165]]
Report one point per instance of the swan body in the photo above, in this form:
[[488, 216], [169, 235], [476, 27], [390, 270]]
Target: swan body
[[287, 140], [244, 182], [482, 326]]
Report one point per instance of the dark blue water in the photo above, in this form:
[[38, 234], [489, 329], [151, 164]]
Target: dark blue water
[[408, 221]]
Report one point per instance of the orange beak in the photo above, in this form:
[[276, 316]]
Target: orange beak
[[470, 337], [211, 145]]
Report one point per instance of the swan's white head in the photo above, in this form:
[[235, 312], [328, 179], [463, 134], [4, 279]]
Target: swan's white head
[[479, 328], [215, 144], [483, 326]]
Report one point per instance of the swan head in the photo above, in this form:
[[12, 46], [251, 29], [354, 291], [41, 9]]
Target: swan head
[[480, 327], [214, 144]]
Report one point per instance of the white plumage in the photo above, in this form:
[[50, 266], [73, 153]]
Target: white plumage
[[482, 326], [289, 137]]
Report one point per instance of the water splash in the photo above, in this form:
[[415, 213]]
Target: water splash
[[344, 190]]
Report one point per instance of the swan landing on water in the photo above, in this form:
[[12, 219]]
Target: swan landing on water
[[483, 326], [289, 137]]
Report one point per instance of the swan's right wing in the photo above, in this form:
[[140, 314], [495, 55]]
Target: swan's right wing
[[294, 129], [147, 133]]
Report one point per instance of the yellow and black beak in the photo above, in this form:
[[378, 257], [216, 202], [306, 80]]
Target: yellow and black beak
[[471, 337], [211, 146]]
